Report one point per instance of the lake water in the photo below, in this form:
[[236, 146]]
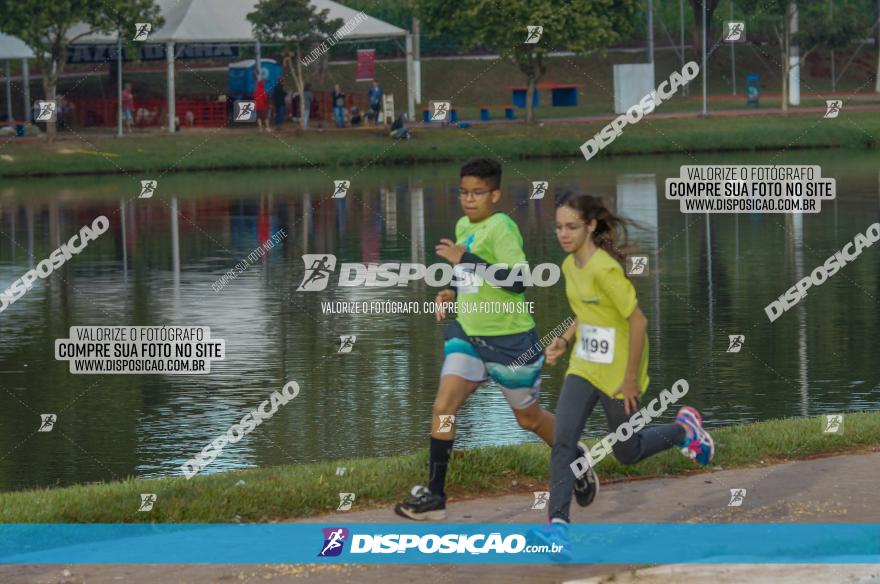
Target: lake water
[[709, 277]]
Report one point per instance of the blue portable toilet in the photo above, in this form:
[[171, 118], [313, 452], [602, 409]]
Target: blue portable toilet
[[753, 85], [241, 77]]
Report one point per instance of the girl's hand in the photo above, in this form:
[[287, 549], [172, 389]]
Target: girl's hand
[[629, 390], [555, 350], [447, 250]]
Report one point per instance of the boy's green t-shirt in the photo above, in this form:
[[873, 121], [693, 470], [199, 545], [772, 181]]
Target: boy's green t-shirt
[[602, 299], [497, 240]]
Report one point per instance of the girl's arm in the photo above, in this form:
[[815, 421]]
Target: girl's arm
[[630, 389], [568, 335], [638, 326], [560, 344]]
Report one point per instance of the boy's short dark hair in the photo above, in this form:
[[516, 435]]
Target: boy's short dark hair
[[487, 169]]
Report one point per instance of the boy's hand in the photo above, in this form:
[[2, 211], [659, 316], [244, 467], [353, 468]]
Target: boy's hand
[[447, 250], [443, 297], [629, 390], [555, 350]]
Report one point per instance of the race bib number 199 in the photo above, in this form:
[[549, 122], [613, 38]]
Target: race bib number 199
[[596, 343]]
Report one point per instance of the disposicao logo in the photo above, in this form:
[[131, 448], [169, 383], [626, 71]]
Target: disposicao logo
[[319, 268]]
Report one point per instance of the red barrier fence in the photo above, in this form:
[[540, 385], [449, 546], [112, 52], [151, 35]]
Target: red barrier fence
[[101, 112], [90, 112]]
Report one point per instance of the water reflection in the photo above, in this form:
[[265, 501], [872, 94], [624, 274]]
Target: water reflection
[[708, 277]]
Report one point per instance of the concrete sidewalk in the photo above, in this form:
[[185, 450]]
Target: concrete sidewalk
[[837, 489]]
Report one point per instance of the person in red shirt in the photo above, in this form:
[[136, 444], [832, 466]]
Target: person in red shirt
[[261, 102]]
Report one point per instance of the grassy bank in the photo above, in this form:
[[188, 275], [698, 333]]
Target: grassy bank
[[359, 149], [310, 489]]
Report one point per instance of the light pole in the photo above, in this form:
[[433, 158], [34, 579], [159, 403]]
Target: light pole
[[705, 110]]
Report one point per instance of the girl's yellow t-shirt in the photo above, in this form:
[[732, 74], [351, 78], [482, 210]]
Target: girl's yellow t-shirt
[[602, 299]]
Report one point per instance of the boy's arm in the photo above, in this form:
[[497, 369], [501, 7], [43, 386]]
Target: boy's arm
[[500, 274], [507, 249]]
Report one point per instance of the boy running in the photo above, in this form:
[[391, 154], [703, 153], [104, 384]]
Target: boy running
[[482, 345]]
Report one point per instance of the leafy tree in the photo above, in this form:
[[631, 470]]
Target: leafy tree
[[45, 26], [302, 30], [814, 30], [568, 25]]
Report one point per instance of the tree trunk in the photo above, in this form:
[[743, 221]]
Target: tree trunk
[[301, 87], [786, 66], [530, 95], [50, 86], [297, 75]]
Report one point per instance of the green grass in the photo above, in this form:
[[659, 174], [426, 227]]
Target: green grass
[[361, 149], [309, 489]]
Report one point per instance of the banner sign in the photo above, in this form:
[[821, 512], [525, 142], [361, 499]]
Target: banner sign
[[451, 543], [366, 64], [77, 54]]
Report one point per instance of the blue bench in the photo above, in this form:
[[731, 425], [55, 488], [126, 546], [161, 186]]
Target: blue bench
[[484, 111]]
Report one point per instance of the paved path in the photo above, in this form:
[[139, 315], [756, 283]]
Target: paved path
[[834, 489]]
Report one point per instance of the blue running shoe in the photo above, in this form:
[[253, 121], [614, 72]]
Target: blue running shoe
[[698, 445], [555, 537]]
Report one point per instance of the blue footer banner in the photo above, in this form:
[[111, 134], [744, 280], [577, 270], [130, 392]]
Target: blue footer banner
[[636, 543]]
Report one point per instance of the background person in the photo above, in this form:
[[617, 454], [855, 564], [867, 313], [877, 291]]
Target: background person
[[306, 104], [261, 102], [375, 95], [278, 97], [128, 107], [338, 106]]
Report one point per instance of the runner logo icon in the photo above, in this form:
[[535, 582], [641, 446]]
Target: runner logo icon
[[637, 265], [446, 422], [245, 111], [346, 343], [440, 111], [833, 423], [340, 188], [539, 189], [832, 108], [534, 34], [46, 111], [334, 541], [147, 501], [47, 422], [142, 31], [736, 343], [318, 270], [734, 31], [346, 500], [148, 187], [737, 496], [541, 498]]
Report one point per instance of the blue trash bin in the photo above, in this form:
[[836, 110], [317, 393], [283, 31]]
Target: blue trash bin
[[753, 89]]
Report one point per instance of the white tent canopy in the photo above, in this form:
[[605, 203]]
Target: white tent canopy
[[14, 48], [225, 21]]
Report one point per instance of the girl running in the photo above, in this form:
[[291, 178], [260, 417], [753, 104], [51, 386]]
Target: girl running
[[609, 360]]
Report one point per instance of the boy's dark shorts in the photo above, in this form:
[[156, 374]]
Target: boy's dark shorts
[[513, 361]]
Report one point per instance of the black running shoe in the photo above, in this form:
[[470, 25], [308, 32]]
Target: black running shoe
[[422, 506], [586, 487]]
